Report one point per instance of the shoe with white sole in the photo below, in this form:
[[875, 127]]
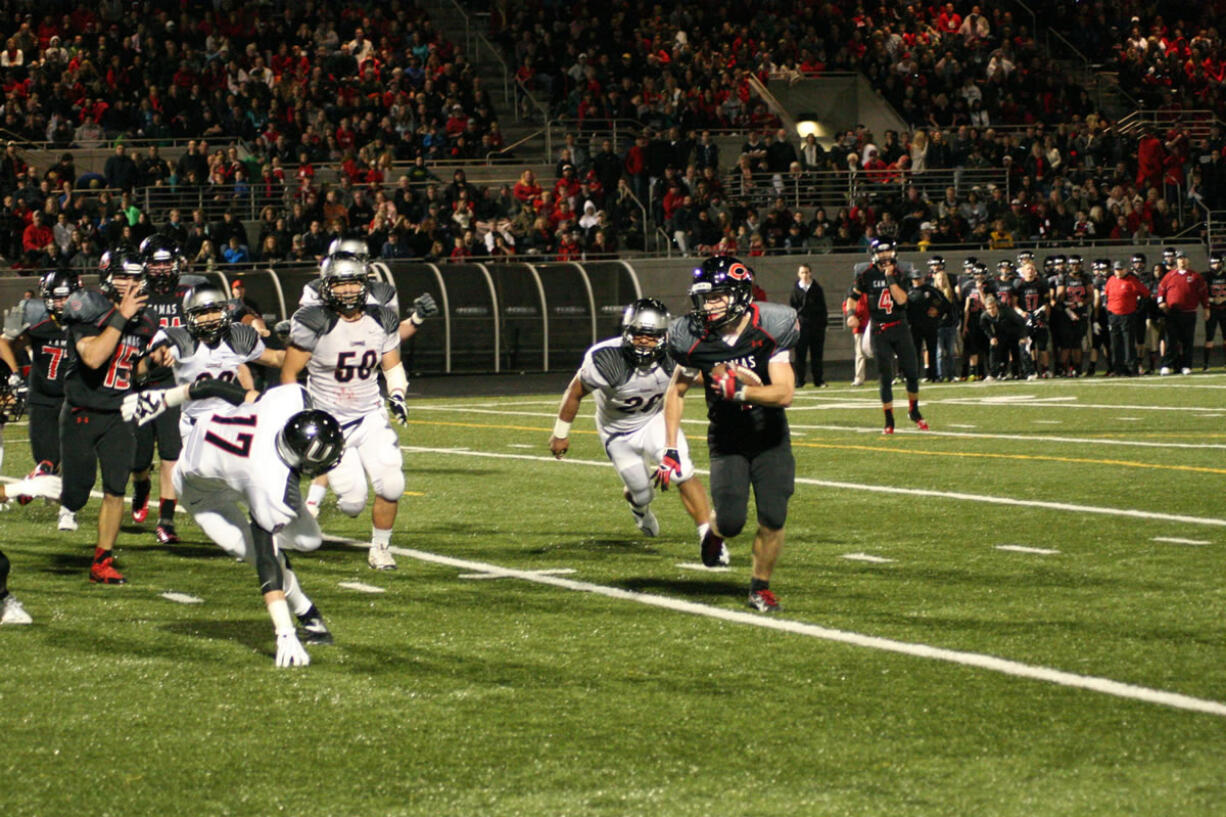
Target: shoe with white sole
[[68, 520], [11, 611], [646, 521], [380, 558]]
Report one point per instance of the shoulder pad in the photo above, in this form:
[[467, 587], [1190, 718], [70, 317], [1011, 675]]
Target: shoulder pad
[[381, 293], [779, 322], [680, 339], [33, 310], [186, 282], [243, 338], [310, 293], [308, 324], [611, 363], [86, 306], [667, 363], [182, 339], [861, 267], [385, 316]]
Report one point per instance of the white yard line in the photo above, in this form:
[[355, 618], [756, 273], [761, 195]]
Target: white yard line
[[1175, 540], [1016, 669], [881, 489], [181, 598], [557, 571], [865, 557], [1025, 549], [361, 587]]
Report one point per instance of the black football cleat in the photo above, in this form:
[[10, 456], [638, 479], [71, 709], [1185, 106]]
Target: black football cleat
[[764, 601], [713, 551], [166, 534], [315, 632]]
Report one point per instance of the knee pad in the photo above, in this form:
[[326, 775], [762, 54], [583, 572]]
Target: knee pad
[[351, 504], [388, 483], [641, 497], [729, 518], [384, 464]]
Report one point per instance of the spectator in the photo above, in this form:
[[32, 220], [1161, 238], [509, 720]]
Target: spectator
[[120, 171]]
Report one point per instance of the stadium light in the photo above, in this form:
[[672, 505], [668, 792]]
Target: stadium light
[[806, 123]]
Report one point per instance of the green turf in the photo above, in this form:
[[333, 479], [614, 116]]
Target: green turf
[[455, 696]]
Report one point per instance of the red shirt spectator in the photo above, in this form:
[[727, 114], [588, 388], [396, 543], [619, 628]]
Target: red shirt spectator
[[1123, 293], [1151, 157]]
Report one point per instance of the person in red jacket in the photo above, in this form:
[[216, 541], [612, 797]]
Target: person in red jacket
[[1124, 294], [1151, 158], [1180, 292], [858, 338], [36, 240]]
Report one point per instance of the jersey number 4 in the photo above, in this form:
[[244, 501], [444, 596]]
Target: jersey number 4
[[345, 370], [886, 302], [240, 446]]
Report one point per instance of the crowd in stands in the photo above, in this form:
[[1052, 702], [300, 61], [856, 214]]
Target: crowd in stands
[[352, 95]]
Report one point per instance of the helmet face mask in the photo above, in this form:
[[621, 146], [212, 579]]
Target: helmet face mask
[[55, 288], [206, 314], [884, 249], [720, 291], [311, 443], [645, 331], [1215, 261], [163, 263], [125, 272], [340, 274]]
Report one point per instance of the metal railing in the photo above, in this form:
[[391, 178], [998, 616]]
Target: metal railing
[[1196, 121]]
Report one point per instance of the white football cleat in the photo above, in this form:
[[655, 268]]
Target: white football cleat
[[646, 521], [290, 652], [1185, 370], [380, 558], [1164, 371], [11, 612], [68, 520]]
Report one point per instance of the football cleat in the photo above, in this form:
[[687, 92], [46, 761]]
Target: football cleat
[[1185, 370], [43, 469], [888, 430], [104, 572], [380, 558], [646, 522], [315, 632], [68, 520], [1164, 371], [713, 551], [918, 419], [764, 601], [11, 612], [166, 534]]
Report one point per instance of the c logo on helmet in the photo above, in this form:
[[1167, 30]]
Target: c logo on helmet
[[739, 272]]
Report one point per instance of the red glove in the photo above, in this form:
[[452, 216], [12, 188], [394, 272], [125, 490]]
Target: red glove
[[726, 385], [670, 466]]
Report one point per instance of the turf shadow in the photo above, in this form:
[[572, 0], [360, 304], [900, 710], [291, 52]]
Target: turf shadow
[[695, 588], [251, 633], [637, 546], [64, 564]]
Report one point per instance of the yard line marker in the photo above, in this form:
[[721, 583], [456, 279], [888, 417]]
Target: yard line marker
[[1208, 415], [558, 571], [1105, 686], [520, 445], [1129, 419], [1024, 549], [1175, 540], [361, 587], [703, 568], [884, 489], [864, 557], [1048, 422], [181, 598], [961, 425]]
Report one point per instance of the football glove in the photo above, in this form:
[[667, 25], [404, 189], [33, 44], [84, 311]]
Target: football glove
[[143, 406], [399, 410], [425, 306], [16, 381], [290, 652], [670, 466], [726, 385]]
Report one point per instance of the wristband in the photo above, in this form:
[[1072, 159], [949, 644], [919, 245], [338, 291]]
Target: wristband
[[117, 320], [739, 395], [416, 319], [278, 611], [178, 395], [561, 429]]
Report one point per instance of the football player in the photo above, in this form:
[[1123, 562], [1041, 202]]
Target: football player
[[107, 334], [891, 334], [1034, 300], [927, 307], [1100, 340], [209, 345], [742, 350], [629, 375], [36, 484], [343, 343], [1215, 277], [1072, 298], [255, 452], [47, 339], [975, 343]]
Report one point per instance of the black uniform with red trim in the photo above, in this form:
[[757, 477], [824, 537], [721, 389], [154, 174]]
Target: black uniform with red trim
[[165, 309], [891, 333], [1073, 312], [92, 432], [48, 357], [1033, 298], [1216, 279]]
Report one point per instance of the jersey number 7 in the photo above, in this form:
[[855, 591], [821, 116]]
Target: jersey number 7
[[241, 445]]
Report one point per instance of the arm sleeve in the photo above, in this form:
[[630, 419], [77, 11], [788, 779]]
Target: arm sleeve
[[267, 567], [232, 393]]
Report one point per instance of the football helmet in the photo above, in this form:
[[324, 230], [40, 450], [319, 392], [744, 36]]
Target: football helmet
[[1168, 256], [979, 269], [1004, 268], [12, 401], [1138, 261], [342, 269], [1215, 261], [199, 302], [56, 286], [1075, 261], [649, 317], [936, 263], [720, 274], [969, 264], [123, 264], [883, 249], [1059, 261], [352, 247], [1023, 256], [163, 262], [311, 442], [1101, 266]]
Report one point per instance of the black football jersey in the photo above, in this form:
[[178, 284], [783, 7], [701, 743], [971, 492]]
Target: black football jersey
[[48, 350], [882, 307], [1076, 293], [1031, 296], [1217, 290], [974, 298], [739, 427], [920, 300], [166, 311], [85, 314]]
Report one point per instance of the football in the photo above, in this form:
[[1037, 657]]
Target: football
[[744, 375]]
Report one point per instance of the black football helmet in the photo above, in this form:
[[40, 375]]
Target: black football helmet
[[55, 287], [343, 269], [1101, 266], [1138, 261], [163, 263], [202, 301], [124, 263], [1059, 262], [969, 264], [936, 263], [12, 401], [1004, 268], [649, 317], [720, 274], [1215, 261], [883, 249], [1075, 262], [1023, 256], [1168, 257], [311, 442]]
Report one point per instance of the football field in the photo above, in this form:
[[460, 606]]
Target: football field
[[1021, 612]]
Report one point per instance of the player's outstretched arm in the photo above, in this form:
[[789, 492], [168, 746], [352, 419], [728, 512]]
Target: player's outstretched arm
[[397, 386], [559, 441], [273, 358], [293, 363], [424, 306]]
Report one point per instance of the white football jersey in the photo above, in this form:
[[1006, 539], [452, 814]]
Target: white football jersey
[[236, 448], [342, 374], [627, 396], [198, 361]]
